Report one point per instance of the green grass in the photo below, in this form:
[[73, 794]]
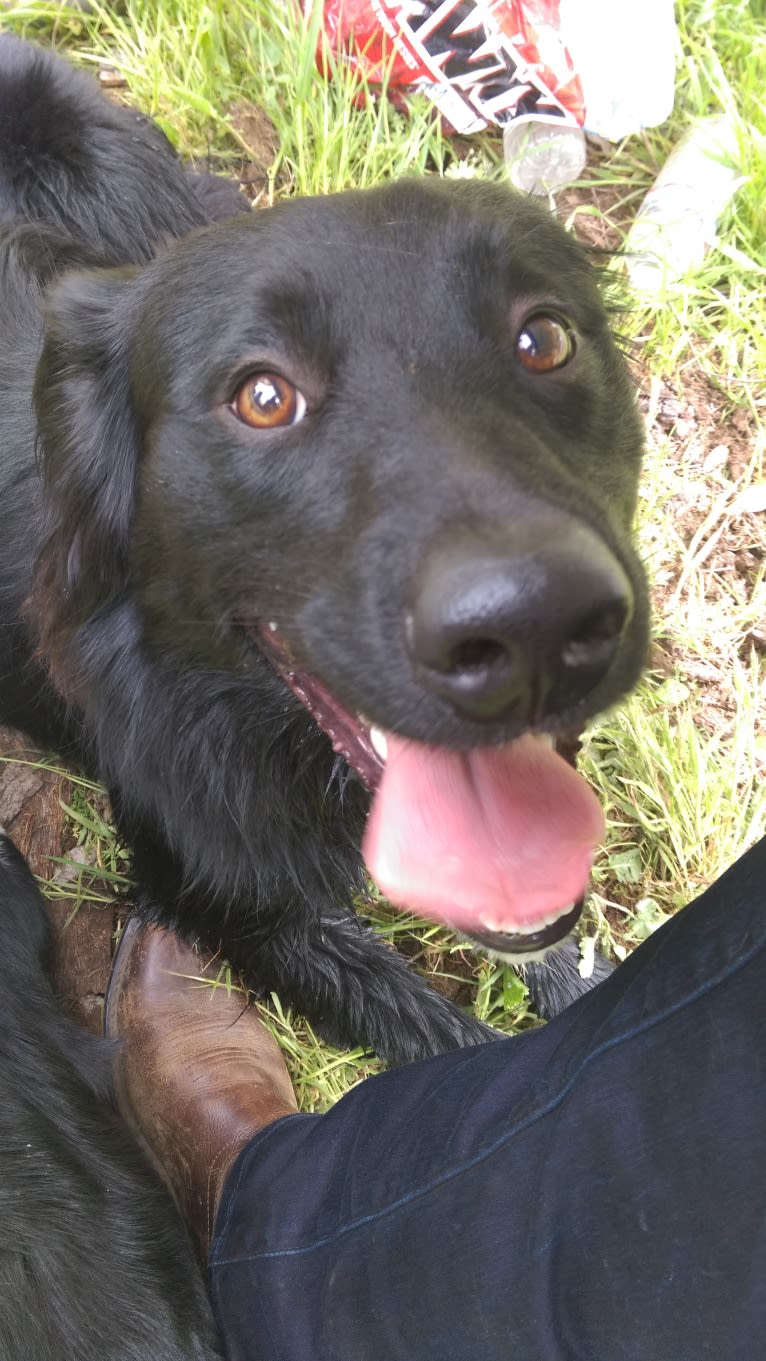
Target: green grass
[[680, 768]]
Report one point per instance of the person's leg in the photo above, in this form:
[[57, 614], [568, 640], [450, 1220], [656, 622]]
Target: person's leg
[[590, 1190]]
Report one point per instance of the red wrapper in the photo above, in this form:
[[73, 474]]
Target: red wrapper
[[482, 62]]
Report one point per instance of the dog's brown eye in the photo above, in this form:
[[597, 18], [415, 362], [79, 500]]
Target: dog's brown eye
[[544, 344], [266, 400]]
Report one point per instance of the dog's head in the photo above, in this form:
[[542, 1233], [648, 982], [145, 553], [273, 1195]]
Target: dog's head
[[384, 439]]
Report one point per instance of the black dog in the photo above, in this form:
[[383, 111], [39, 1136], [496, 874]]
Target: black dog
[[95, 1262], [351, 471]]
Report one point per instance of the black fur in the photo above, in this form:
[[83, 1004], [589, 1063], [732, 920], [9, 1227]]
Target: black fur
[[94, 1260], [161, 525], [556, 981]]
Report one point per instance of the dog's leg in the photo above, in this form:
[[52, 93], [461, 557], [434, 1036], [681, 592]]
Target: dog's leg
[[321, 959], [555, 982], [355, 989], [337, 973], [330, 965]]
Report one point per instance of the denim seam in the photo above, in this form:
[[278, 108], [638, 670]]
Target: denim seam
[[704, 988]]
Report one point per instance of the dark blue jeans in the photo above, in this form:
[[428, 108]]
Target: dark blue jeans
[[591, 1190]]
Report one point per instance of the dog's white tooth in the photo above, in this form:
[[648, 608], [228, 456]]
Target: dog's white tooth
[[271, 626], [488, 924], [528, 928], [379, 743], [547, 739]]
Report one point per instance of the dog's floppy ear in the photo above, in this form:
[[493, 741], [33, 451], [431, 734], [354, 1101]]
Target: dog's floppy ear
[[88, 451]]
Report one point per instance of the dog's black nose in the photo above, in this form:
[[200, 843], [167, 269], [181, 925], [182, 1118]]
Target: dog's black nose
[[521, 626]]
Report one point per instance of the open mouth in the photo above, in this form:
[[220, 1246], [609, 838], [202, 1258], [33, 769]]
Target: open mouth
[[497, 842]]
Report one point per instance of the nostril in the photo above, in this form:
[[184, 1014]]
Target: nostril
[[477, 654], [596, 635], [520, 623]]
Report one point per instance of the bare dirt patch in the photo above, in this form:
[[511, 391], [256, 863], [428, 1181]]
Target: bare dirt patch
[[260, 140], [31, 799], [708, 594]]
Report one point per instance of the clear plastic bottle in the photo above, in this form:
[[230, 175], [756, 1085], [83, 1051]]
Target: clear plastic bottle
[[542, 155], [677, 220], [624, 56]]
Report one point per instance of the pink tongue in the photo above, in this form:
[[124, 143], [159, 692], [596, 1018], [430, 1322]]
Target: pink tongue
[[499, 837]]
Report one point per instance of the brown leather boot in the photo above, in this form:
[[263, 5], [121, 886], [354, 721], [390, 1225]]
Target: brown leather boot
[[197, 1074]]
